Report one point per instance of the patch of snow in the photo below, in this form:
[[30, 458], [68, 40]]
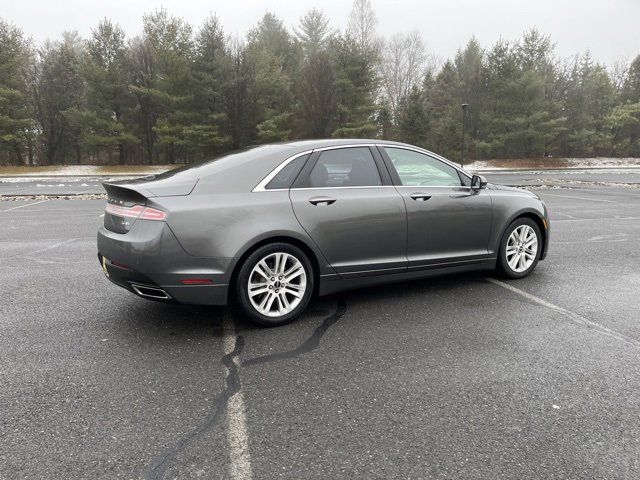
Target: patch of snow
[[45, 196], [94, 170], [481, 166], [28, 178], [602, 162], [537, 165]]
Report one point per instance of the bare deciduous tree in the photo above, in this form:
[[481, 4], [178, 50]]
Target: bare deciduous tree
[[403, 65], [618, 73], [362, 25]]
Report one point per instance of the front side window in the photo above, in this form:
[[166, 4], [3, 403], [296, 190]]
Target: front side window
[[419, 169], [345, 167]]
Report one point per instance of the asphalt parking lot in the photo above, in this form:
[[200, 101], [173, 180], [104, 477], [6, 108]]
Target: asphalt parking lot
[[457, 377]]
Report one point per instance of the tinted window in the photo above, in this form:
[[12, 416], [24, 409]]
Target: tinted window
[[466, 181], [285, 177], [345, 167], [418, 169], [232, 159]]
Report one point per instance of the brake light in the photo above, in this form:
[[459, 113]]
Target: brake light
[[137, 211]]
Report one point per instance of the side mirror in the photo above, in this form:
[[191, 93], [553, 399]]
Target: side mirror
[[478, 182]]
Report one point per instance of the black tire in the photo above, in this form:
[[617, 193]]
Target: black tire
[[244, 303], [503, 267]]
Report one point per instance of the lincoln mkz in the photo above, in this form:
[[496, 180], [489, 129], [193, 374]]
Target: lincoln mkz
[[271, 226]]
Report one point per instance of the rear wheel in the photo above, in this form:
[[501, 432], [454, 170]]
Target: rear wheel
[[520, 248], [275, 284]]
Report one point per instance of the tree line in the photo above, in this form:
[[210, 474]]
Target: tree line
[[176, 94]]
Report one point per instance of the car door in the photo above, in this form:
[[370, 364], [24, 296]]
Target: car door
[[448, 222], [345, 201]]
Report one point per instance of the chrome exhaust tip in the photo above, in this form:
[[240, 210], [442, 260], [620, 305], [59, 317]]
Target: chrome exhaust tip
[[146, 291]]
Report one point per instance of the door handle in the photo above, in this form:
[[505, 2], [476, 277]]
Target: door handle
[[420, 197], [322, 201]]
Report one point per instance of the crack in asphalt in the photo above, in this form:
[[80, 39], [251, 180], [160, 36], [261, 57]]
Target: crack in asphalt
[[308, 345], [161, 462]]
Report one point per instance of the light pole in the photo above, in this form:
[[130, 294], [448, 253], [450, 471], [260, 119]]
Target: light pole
[[465, 107]]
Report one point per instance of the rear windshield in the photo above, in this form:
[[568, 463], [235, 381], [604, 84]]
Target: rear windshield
[[222, 162]]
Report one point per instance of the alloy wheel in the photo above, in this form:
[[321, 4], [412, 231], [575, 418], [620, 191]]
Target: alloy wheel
[[522, 248], [277, 283]]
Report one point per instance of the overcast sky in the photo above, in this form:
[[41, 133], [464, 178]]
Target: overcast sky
[[610, 29]]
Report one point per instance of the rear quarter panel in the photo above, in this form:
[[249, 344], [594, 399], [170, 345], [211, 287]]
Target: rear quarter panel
[[227, 225]]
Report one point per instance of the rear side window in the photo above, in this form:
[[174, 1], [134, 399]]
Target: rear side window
[[285, 177], [418, 169], [345, 167]]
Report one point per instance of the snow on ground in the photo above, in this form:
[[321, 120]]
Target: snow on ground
[[70, 173], [85, 170], [553, 164], [33, 178]]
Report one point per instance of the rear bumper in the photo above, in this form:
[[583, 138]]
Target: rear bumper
[[149, 255]]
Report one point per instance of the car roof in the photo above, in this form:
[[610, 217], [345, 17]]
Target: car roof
[[336, 142]]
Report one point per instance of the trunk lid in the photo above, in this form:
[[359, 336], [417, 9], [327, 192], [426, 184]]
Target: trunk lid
[[126, 198]]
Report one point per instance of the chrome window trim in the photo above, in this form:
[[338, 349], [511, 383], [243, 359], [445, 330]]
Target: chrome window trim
[[354, 145], [341, 188], [414, 187], [263, 183]]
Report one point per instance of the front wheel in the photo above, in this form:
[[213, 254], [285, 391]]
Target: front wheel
[[520, 248], [275, 284]]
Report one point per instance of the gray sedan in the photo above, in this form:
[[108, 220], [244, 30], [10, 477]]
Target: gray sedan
[[270, 226]]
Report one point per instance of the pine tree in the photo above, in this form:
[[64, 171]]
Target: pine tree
[[590, 96], [16, 125], [108, 99], [356, 82], [469, 67], [272, 55], [443, 98], [211, 76], [59, 92], [316, 93], [413, 122], [631, 88], [623, 123], [161, 82], [313, 31]]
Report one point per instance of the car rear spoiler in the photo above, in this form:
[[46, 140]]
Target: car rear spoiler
[[148, 187]]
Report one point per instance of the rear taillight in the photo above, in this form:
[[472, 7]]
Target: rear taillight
[[152, 214], [137, 211]]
